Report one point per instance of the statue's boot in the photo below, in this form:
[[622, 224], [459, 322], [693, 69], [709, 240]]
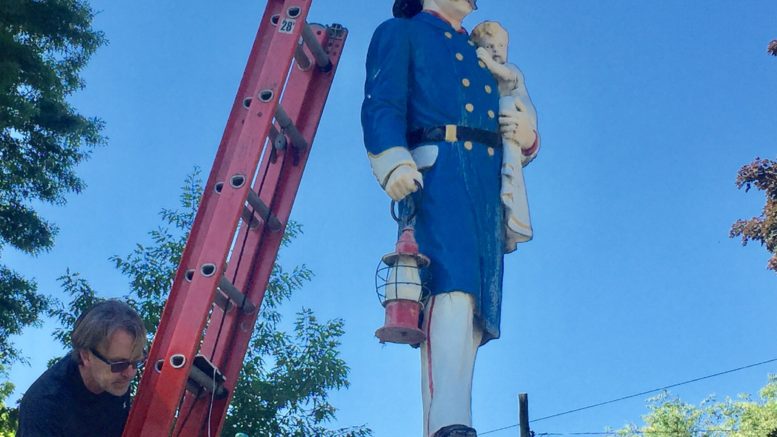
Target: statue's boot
[[456, 431]]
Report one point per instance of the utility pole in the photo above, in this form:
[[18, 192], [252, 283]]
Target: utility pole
[[523, 414]]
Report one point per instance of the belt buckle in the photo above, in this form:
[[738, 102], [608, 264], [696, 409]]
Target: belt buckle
[[450, 133]]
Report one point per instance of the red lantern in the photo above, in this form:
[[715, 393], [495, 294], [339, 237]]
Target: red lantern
[[402, 291]]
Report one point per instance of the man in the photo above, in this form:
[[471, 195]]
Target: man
[[430, 120], [86, 393]]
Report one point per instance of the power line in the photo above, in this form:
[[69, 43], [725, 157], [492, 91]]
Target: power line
[[574, 433], [666, 387], [681, 433], [656, 390]]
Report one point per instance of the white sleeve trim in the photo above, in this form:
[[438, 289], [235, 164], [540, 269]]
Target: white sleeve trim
[[388, 160]]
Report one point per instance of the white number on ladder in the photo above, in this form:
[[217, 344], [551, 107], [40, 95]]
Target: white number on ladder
[[287, 25]]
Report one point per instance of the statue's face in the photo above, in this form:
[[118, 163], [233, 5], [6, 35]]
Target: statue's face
[[454, 10], [497, 47]]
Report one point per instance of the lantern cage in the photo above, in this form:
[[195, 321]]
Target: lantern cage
[[384, 280]]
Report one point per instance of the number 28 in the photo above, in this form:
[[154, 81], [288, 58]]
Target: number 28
[[287, 26]]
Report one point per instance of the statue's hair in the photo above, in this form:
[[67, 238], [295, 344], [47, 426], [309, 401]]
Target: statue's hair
[[486, 29], [407, 8], [95, 326]]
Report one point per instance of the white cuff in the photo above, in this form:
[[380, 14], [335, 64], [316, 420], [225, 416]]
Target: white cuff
[[425, 156], [388, 160]]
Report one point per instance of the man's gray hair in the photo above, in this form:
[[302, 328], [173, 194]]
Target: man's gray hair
[[95, 326]]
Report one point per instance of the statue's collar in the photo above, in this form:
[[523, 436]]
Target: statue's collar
[[437, 20]]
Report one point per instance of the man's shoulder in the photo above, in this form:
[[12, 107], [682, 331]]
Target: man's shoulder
[[44, 405], [53, 377], [42, 412], [407, 26], [392, 36], [394, 25], [401, 31], [51, 390]]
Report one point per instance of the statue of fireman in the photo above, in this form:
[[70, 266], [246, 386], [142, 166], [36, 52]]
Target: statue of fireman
[[431, 119]]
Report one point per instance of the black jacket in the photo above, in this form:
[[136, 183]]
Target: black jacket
[[58, 404]]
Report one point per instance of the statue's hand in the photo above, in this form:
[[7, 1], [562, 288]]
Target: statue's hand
[[403, 181], [518, 127], [483, 54]]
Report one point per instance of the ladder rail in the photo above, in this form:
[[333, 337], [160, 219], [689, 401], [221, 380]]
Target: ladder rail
[[205, 213], [212, 238], [304, 101]]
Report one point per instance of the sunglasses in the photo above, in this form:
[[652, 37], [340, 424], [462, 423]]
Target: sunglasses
[[119, 366]]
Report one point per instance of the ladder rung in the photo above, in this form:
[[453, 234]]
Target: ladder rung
[[302, 59], [221, 301], [278, 140], [322, 58], [286, 124], [235, 295], [204, 374], [248, 218], [264, 211]]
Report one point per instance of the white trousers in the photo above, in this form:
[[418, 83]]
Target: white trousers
[[447, 360]]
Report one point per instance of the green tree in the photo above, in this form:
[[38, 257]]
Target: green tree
[[8, 416], [744, 417], [43, 47], [283, 389], [761, 173]]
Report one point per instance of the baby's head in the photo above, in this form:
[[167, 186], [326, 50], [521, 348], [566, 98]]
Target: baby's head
[[493, 37]]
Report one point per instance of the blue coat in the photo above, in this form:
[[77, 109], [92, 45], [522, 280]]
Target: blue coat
[[423, 73]]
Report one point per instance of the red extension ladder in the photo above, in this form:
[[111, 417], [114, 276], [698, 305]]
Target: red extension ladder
[[209, 316]]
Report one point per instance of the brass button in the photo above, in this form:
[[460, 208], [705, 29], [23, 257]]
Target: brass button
[[488, 89], [469, 107], [465, 82], [459, 56], [448, 35], [468, 145], [491, 114], [490, 151], [482, 64]]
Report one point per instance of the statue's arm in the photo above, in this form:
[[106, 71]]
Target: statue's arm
[[501, 72], [522, 102], [518, 121], [384, 110]]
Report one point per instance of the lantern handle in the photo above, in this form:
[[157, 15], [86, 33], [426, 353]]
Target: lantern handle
[[409, 202]]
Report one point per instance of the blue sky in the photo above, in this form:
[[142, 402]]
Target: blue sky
[[646, 111]]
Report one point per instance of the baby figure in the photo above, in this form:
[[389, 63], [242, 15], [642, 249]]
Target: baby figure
[[492, 39]]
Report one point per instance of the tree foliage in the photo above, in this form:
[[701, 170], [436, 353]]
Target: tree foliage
[[20, 306], [745, 417], [287, 376], [9, 417], [43, 47], [761, 173], [82, 297]]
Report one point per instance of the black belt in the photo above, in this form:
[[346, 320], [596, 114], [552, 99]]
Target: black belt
[[452, 133]]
